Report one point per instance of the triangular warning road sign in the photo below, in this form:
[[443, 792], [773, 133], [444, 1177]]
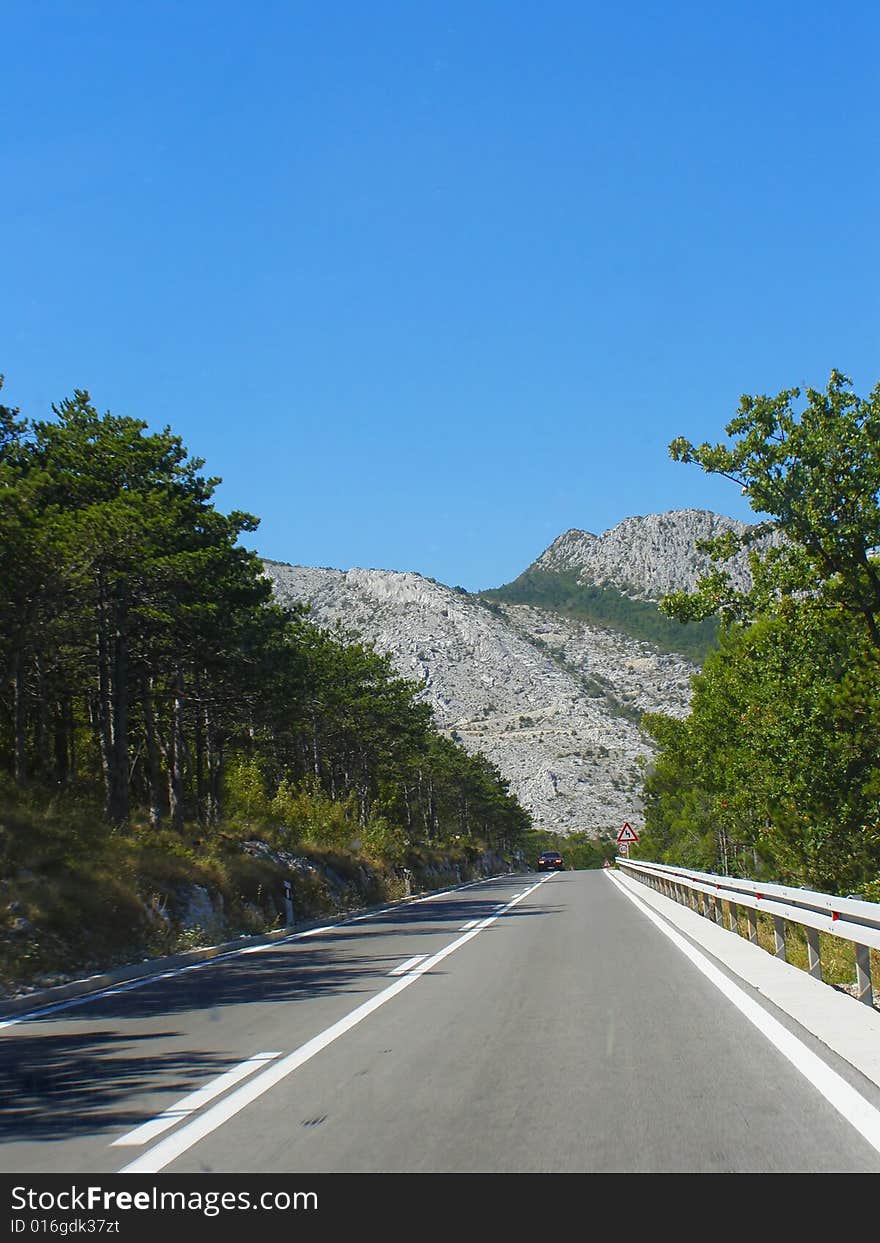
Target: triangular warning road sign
[[627, 834]]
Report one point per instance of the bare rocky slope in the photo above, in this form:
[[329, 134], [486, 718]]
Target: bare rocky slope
[[646, 557], [553, 702]]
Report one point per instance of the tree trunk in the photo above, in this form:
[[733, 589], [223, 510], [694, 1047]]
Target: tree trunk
[[20, 721], [216, 779], [43, 744], [102, 705], [212, 776], [175, 754], [154, 757], [199, 742], [432, 810], [63, 741], [119, 796]]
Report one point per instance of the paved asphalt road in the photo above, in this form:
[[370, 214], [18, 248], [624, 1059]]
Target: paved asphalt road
[[561, 1032]]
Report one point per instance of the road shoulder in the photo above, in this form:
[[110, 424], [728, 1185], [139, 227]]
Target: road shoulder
[[848, 1027]]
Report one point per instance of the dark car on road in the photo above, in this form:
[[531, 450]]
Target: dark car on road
[[550, 861]]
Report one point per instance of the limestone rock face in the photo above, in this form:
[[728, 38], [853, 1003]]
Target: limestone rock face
[[553, 703], [647, 557]]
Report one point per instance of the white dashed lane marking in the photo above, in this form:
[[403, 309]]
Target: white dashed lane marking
[[408, 965], [194, 1100]]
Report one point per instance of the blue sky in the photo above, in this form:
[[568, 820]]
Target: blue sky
[[429, 283]]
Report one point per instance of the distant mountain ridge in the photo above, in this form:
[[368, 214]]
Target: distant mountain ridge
[[550, 695], [646, 557], [553, 704]]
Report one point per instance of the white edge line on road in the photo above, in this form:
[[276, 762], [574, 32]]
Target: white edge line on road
[[168, 1149], [849, 1103], [408, 965], [142, 981], [194, 1100]]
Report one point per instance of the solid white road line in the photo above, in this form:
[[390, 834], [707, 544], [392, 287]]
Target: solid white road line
[[408, 965], [471, 923], [170, 1148], [195, 1100], [849, 1103]]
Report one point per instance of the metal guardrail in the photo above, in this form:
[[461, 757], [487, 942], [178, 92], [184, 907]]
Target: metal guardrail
[[848, 919]]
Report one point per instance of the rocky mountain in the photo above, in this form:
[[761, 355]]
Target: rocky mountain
[[646, 557], [553, 700]]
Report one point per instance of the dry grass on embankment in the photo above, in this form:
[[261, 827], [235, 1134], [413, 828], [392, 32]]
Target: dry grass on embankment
[[77, 898]]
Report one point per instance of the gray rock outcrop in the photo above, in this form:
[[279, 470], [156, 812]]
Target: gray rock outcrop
[[647, 557], [552, 703]]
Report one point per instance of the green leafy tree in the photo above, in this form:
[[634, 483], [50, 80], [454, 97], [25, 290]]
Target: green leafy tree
[[775, 767], [142, 655], [814, 471], [129, 593], [778, 759]]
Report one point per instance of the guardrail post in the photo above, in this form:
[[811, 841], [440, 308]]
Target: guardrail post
[[865, 991], [814, 966], [707, 896]]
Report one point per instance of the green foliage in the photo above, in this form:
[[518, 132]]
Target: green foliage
[[245, 794], [384, 841], [776, 765], [148, 684], [144, 663], [309, 814], [562, 592], [579, 850], [814, 472], [775, 771]]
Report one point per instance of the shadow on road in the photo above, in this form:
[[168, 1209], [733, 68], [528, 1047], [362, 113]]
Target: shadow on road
[[340, 959], [57, 1086], [57, 1082]]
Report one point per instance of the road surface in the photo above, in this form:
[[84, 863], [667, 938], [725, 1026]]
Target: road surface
[[521, 1024]]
